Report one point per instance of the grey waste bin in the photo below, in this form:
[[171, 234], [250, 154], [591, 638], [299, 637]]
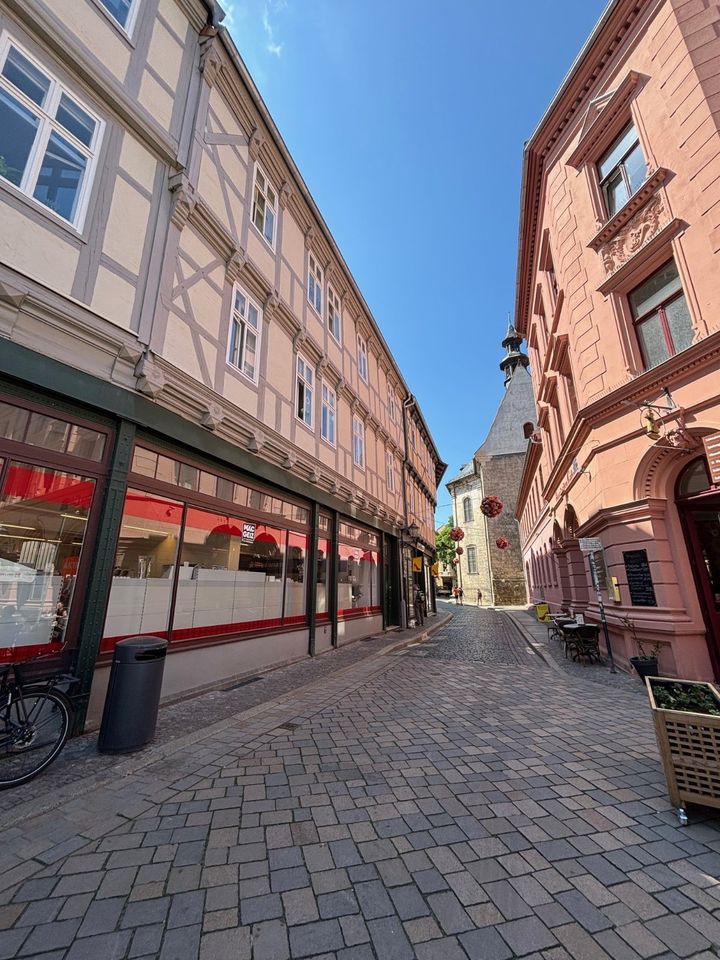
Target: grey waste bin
[[133, 696]]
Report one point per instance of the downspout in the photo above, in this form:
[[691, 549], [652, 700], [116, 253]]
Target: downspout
[[408, 402]]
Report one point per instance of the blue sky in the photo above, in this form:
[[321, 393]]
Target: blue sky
[[407, 119]]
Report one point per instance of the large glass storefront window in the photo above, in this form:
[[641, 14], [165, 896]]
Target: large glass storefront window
[[143, 578], [43, 520], [324, 546], [358, 588]]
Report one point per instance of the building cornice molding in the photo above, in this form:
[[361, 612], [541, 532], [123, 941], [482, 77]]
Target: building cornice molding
[[628, 211], [603, 127]]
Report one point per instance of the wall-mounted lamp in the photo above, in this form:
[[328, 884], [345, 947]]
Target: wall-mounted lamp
[[412, 531]]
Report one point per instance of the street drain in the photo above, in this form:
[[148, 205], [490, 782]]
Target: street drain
[[242, 683], [289, 726]]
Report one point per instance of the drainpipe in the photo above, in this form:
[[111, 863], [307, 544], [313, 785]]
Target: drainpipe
[[408, 403]]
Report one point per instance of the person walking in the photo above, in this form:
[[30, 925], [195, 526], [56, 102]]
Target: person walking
[[479, 598], [460, 596], [418, 601]]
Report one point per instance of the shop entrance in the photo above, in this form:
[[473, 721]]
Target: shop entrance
[[698, 501]]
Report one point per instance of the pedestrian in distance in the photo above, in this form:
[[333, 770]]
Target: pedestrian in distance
[[418, 602], [479, 598], [460, 596]]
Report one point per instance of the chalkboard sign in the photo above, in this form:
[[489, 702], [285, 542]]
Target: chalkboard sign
[[637, 568]]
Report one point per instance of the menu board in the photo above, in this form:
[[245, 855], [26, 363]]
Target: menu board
[[639, 578]]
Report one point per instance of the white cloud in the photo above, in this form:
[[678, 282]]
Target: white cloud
[[271, 44]]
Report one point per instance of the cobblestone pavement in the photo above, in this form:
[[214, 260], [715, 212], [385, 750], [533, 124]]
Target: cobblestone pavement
[[498, 641], [410, 807], [80, 758]]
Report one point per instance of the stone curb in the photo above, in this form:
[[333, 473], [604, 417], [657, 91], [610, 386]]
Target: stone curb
[[535, 646], [152, 754]]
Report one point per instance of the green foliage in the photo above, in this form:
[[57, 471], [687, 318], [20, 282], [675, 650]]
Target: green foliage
[[443, 544], [647, 651], [685, 696]]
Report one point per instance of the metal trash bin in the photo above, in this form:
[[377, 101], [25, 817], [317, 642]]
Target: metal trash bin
[[131, 706]]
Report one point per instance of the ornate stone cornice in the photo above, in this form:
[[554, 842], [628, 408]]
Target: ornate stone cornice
[[255, 143], [649, 231], [210, 60], [309, 237], [285, 194], [628, 211], [183, 199], [271, 305], [213, 416], [602, 124], [235, 265], [151, 380]]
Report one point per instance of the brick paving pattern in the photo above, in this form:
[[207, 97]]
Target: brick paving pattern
[[416, 806]]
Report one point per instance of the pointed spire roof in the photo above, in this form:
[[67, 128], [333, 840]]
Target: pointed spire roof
[[517, 407], [514, 356]]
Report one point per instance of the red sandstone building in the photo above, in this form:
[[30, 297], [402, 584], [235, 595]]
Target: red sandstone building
[[619, 298]]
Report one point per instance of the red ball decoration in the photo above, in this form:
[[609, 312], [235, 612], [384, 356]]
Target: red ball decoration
[[491, 506], [457, 533], [459, 551], [455, 561], [502, 543]]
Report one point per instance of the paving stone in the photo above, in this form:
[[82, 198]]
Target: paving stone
[[449, 949], [270, 941], [108, 946], [300, 906], [449, 912], [526, 934], [322, 936], [390, 940], [256, 909], [102, 917], [48, 936], [408, 902], [678, 935], [227, 944], [183, 943], [337, 904], [373, 899]]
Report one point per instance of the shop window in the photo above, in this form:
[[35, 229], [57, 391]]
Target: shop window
[[43, 520], [694, 479], [244, 345], [264, 207], [304, 389], [358, 586], [622, 170], [50, 138], [51, 433], [661, 316], [142, 585], [322, 609], [294, 600]]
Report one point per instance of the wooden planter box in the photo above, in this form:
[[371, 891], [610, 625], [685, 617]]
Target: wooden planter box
[[689, 745]]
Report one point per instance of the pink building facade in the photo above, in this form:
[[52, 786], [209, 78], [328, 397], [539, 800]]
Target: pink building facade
[[619, 299]]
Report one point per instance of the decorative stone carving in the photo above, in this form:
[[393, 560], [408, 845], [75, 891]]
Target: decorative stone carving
[[309, 237], [314, 476], [213, 416], [642, 228], [272, 302], [298, 340], [210, 61], [11, 295], [285, 194], [255, 144], [131, 352], [288, 461], [150, 379], [183, 199], [256, 442], [235, 264]]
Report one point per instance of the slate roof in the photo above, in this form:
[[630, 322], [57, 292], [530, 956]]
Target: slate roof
[[516, 408]]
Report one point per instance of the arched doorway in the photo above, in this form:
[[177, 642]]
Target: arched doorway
[[698, 502]]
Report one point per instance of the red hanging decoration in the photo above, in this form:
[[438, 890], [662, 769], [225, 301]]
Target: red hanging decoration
[[459, 551], [491, 506], [502, 543], [455, 561], [457, 533]]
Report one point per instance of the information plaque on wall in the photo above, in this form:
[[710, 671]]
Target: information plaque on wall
[[639, 578]]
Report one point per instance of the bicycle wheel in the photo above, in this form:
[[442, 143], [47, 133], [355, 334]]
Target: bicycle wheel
[[33, 729]]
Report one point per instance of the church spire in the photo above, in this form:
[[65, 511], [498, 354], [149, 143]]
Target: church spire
[[514, 356]]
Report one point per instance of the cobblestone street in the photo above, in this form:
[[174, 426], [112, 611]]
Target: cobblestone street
[[455, 799]]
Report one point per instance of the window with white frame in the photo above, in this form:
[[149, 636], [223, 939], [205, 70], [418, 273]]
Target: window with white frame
[[358, 439], [49, 139], [124, 11], [467, 510], [392, 408], [362, 360], [333, 318], [390, 470], [472, 559], [315, 283], [264, 206], [329, 405], [244, 339], [304, 391]]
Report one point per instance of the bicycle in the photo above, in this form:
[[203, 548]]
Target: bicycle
[[35, 719]]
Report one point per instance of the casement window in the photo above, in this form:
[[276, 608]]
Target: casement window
[[333, 317], [264, 206], [244, 340], [304, 391], [358, 442], [472, 559], [123, 11], [315, 283], [661, 316], [467, 510], [622, 170], [362, 360], [390, 470], [392, 408], [49, 139], [327, 418]]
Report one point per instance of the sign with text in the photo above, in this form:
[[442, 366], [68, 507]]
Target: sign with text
[[712, 452], [639, 578], [248, 532], [590, 544]]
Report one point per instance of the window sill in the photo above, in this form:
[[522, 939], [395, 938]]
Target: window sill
[[270, 246], [42, 211], [328, 443], [308, 426], [636, 202], [243, 376]]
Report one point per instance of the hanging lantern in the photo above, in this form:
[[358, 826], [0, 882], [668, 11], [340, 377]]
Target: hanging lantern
[[459, 551], [457, 533], [491, 506], [502, 543]]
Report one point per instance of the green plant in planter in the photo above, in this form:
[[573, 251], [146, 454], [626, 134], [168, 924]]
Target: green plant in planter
[[647, 652], [685, 696]]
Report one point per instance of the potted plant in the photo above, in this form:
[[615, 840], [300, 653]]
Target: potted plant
[[646, 663], [686, 714]]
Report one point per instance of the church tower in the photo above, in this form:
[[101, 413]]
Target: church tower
[[514, 357]]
